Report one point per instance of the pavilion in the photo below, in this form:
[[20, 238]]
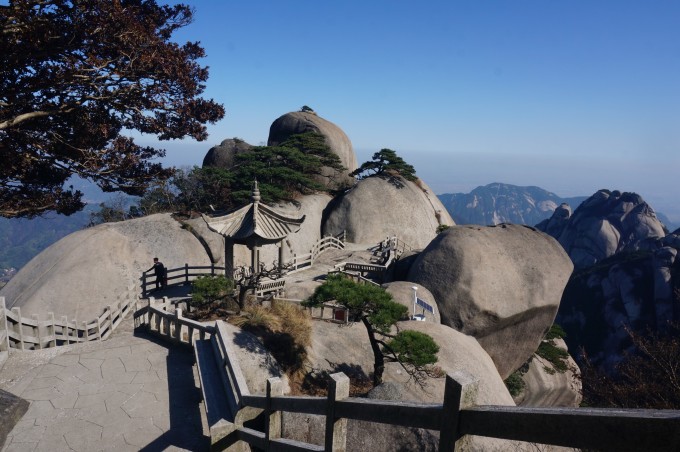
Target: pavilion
[[253, 225]]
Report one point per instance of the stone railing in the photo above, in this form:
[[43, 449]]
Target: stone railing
[[33, 333], [307, 260], [456, 418], [170, 325]]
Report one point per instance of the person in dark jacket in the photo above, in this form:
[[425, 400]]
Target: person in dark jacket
[[159, 270]]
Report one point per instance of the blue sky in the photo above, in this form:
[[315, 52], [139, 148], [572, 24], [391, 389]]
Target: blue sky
[[570, 96]]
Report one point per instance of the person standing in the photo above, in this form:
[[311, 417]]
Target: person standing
[[159, 271]]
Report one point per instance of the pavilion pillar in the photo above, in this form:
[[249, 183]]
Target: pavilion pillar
[[228, 258], [255, 258], [281, 245]]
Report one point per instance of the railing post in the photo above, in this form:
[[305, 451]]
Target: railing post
[[186, 273], [4, 346], [178, 325], [53, 329], [64, 329], [36, 331], [20, 325], [460, 391], [110, 315], [99, 329], [336, 429], [75, 330], [144, 293], [87, 331], [272, 419]]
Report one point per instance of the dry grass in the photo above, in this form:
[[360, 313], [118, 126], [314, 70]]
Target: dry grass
[[258, 317], [295, 321], [285, 330]]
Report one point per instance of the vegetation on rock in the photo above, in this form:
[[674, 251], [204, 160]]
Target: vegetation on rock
[[74, 77], [386, 162], [379, 313], [548, 350], [515, 382], [441, 228]]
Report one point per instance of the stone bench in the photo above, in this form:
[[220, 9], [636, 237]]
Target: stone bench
[[275, 286]]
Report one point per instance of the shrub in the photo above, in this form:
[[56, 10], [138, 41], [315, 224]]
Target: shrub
[[415, 348], [206, 290], [548, 350], [515, 383], [441, 228]]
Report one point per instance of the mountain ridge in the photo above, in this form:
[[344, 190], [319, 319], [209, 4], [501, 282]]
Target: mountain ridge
[[499, 202]]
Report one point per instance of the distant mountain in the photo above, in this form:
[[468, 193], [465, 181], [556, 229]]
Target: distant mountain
[[670, 225], [504, 203], [21, 239]]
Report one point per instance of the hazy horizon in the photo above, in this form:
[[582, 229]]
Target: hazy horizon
[[571, 97]]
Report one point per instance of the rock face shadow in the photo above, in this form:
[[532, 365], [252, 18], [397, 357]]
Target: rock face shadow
[[251, 344]]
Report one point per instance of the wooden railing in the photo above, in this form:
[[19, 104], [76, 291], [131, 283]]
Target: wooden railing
[[179, 275], [187, 273], [456, 418], [33, 333]]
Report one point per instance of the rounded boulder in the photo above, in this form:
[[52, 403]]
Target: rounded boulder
[[301, 122], [223, 155], [379, 207], [341, 348], [501, 284], [84, 272]]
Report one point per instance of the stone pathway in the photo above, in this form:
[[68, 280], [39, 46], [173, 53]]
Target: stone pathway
[[131, 392]]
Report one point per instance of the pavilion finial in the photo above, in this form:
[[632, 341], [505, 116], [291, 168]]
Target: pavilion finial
[[256, 192]]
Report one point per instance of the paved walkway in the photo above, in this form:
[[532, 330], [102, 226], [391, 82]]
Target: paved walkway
[[131, 392]]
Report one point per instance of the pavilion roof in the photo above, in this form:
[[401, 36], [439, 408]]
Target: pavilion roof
[[255, 220]]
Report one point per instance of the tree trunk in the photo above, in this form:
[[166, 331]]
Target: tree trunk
[[379, 358]]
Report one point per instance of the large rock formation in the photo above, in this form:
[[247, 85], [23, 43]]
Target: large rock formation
[[223, 155], [626, 291], [85, 271], [557, 223], [340, 348], [301, 122], [499, 284], [379, 207], [504, 203], [606, 223]]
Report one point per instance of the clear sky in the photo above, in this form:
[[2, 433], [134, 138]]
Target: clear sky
[[571, 96]]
